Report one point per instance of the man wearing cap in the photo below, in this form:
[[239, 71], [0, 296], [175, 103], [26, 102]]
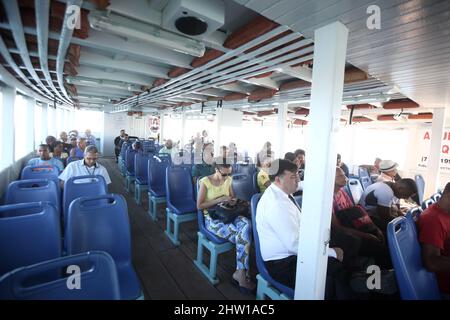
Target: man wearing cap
[[388, 170]]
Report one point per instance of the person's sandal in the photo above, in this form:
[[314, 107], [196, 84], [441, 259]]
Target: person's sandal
[[243, 290]]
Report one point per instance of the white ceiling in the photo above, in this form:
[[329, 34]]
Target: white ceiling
[[411, 50]]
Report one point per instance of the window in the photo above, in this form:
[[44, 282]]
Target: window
[[37, 125], [20, 128]]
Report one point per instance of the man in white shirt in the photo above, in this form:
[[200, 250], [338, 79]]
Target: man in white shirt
[[278, 224], [45, 159], [87, 166]]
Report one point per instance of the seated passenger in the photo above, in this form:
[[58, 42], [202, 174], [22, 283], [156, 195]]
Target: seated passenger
[[375, 169], [90, 139], [168, 148], [342, 165], [50, 141], [388, 169], [434, 235], [87, 166], [278, 224], [215, 189], [58, 153], [381, 200], [45, 159], [78, 151], [289, 156], [206, 168], [354, 220], [263, 175]]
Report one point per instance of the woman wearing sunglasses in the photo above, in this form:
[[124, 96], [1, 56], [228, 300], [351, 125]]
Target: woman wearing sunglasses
[[215, 189]]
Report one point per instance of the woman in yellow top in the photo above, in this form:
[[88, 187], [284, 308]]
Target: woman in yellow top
[[215, 189], [263, 176]]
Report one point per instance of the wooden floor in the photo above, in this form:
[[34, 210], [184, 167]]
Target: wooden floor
[[166, 271]]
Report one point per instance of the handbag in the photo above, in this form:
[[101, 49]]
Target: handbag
[[226, 212]]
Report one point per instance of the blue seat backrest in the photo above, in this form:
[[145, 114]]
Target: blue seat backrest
[[82, 186], [123, 150], [179, 188], [39, 172], [141, 167], [426, 203], [414, 213], [98, 279], [72, 159], [365, 182], [247, 169], [363, 172], [255, 182], [436, 197], [356, 189], [29, 233], [243, 187], [259, 260], [414, 281], [33, 190], [157, 174], [129, 160], [99, 223], [420, 182]]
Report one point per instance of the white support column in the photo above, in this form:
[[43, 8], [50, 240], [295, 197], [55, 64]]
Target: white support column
[[162, 121], [434, 160], [330, 43], [217, 140], [183, 129], [282, 119], [31, 102], [7, 151], [44, 122]]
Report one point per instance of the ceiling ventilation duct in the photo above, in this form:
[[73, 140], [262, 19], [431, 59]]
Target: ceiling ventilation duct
[[195, 18]]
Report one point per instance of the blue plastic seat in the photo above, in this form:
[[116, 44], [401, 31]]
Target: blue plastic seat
[[414, 281], [255, 182], [243, 186], [29, 233], [101, 223], [141, 175], [98, 279], [33, 190], [156, 184], [363, 172], [356, 189], [420, 182], [216, 245], [247, 169], [426, 203], [436, 197], [39, 172], [414, 213], [365, 181], [130, 172], [82, 186], [181, 204], [267, 286], [72, 159]]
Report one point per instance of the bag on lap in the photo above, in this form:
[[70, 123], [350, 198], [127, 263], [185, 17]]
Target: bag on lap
[[226, 213]]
